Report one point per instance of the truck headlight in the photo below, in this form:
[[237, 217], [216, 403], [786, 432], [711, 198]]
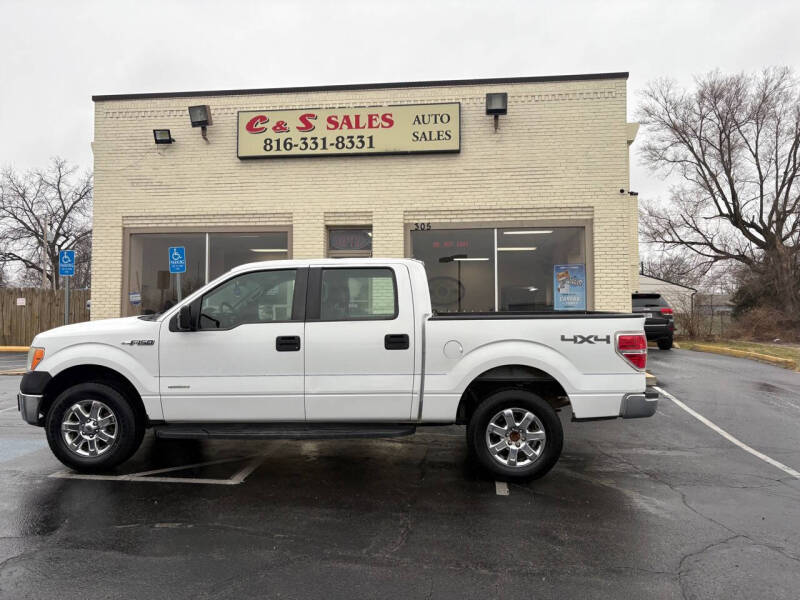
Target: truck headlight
[[35, 356]]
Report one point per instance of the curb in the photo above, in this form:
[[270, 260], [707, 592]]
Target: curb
[[12, 373], [787, 363], [14, 348], [650, 379]]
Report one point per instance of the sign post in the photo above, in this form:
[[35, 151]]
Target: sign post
[[177, 264], [66, 269]]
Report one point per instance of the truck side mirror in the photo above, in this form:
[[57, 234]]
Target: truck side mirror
[[185, 318]]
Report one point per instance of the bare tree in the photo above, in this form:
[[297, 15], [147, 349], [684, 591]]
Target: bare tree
[[682, 268], [41, 213], [734, 142]]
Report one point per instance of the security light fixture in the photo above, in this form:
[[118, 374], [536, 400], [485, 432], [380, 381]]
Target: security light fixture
[[162, 136], [272, 250], [518, 249], [200, 116], [496, 105], [465, 259]]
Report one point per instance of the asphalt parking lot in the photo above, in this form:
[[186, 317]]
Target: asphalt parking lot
[[12, 362], [665, 507]]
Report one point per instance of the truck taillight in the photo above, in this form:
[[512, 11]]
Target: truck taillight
[[633, 348], [666, 311]]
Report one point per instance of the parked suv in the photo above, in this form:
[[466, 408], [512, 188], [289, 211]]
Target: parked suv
[[659, 325]]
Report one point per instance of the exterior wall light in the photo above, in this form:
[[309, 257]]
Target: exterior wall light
[[496, 105], [162, 136], [200, 116]]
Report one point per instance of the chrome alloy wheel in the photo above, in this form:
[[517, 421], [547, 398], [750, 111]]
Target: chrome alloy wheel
[[89, 428], [515, 437]]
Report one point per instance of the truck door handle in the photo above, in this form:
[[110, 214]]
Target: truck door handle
[[396, 341], [287, 343]]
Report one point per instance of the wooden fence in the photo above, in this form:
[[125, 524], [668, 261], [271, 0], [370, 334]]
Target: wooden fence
[[41, 310]]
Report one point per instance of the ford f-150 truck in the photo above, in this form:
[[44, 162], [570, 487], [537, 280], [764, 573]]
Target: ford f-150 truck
[[332, 349]]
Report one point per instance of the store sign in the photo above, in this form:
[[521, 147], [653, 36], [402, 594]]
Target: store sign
[[399, 129], [569, 282]]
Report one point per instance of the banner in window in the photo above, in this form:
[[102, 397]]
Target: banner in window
[[569, 284]]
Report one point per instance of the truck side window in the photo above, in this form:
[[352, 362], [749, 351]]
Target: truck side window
[[356, 294], [257, 297]]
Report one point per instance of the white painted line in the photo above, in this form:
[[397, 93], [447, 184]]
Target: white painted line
[[245, 471], [69, 475], [729, 437], [501, 488], [191, 466], [8, 409], [142, 476]]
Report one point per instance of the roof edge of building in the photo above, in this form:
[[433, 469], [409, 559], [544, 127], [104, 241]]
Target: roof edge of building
[[363, 86]]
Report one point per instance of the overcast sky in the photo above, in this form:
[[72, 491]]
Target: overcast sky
[[55, 55]]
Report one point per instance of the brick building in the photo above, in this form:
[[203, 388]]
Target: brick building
[[498, 208]]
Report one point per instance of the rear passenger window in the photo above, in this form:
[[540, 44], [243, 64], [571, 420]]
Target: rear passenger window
[[358, 294]]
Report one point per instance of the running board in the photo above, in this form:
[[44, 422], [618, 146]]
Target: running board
[[280, 431]]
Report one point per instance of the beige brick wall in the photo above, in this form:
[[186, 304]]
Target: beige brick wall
[[560, 156]]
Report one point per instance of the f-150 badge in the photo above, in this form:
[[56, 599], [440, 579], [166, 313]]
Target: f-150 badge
[[586, 339], [139, 343]]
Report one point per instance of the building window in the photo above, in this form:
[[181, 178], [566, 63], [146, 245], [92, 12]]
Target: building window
[[487, 269], [228, 250], [526, 258], [460, 267], [349, 242], [151, 288]]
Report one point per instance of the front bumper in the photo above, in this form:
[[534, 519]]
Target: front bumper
[[31, 392], [637, 406], [28, 406]]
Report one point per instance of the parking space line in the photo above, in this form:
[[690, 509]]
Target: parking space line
[[144, 476], [8, 408], [190, 466], [501, 488], [729, 437]]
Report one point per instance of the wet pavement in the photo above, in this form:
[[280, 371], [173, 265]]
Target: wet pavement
[[12, 362], [658, 508]]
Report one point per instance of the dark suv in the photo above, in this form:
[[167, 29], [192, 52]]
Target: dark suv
[[659, 326]]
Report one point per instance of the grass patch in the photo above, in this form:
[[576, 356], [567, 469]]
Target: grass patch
[[788, 355]]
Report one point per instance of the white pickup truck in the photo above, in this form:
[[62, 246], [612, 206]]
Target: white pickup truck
[[332, 349]]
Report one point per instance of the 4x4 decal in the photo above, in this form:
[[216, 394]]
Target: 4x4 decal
[[586, 339]]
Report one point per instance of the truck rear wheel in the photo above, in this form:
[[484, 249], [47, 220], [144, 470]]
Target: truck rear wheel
[[91, 427], [515, 434]]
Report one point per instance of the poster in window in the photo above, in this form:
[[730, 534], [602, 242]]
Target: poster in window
[[569, 283]]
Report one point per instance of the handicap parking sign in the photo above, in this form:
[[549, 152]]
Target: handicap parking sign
[[177, 259], [66, 263]]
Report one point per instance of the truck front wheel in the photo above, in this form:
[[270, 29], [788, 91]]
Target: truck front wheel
[[515, 434], [92, 427]]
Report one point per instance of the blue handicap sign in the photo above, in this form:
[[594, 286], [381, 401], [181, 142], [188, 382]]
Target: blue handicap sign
[[177, 259], [66, 263]]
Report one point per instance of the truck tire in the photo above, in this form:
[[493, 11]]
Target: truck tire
[[92, 427], [665, 343], [515, 434]]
